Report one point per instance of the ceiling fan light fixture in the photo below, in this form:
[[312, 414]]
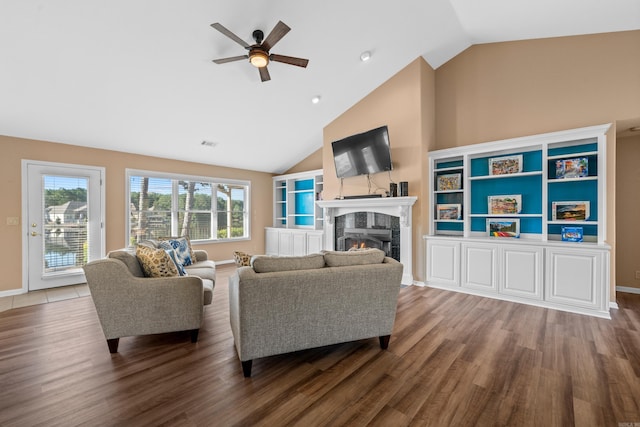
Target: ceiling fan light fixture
[[258, 58]]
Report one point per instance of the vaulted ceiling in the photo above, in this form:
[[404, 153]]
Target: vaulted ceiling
[[137, 76]]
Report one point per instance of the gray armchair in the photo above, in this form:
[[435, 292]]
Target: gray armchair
[[130, 304]]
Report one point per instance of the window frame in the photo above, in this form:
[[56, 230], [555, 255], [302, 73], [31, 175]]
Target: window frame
[[175, 210]]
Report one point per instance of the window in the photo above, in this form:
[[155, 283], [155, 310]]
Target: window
[[161, 205]]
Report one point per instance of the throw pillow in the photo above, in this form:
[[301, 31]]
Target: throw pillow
[[183, 249], [363, 257], [156, 262], [174, 258], [270, 264], [242, 259]]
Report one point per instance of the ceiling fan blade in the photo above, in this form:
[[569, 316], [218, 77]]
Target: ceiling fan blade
[[230, 59], [300, 62], [275, 35], [229, 34], [264, 74]]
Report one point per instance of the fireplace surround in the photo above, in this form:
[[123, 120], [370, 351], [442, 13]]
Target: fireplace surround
[[398, 208]]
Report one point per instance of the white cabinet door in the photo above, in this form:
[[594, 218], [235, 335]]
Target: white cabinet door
[[299, 242], [443, 262], [272, 239], [577, 277], [285, 243], [314, 242], [522, 271], [480, 266]]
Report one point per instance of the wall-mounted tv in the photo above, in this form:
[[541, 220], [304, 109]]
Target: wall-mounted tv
[[363, 154]]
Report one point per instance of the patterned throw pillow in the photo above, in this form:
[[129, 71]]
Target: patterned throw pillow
[[156, 262], [242, 259], [174, 258], [182, 246]]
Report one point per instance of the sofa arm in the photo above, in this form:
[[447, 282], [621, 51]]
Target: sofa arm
[[129, 305], [201, 255]]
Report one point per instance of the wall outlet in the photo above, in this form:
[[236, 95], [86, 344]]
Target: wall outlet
[[14, 220], [637, 274]]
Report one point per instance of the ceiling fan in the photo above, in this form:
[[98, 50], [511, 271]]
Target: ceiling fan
[[259, 55]]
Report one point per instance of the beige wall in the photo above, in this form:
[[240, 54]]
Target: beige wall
[[405, 103], [627, 208], [504, 90], [311, 162], [15, 149]]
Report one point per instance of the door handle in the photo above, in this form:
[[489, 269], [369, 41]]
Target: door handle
[[34, 234]]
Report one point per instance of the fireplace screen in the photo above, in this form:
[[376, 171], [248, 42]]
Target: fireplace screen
[[368, 230]]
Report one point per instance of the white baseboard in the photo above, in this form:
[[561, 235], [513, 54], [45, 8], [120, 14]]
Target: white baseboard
[[11, 292], [628, 289]]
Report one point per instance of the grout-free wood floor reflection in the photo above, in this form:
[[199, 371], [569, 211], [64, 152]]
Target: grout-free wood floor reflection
[[453, 360]]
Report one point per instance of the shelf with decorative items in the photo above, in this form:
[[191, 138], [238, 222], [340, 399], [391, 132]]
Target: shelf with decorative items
[[297, 221], [523, 219], [448, 178]]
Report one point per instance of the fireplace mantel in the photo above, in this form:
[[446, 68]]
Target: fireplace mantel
[[395, 206]]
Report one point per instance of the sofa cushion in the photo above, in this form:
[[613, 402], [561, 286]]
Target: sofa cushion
[[156, 262], [359, 257], [270, 264], [203, 269], [242, 259], [130, 260]]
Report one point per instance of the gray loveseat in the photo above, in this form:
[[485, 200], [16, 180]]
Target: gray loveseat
[[286, 304], [128, 303]]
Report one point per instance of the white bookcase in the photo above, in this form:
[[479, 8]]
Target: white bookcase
[[297, 221], [539, 191]]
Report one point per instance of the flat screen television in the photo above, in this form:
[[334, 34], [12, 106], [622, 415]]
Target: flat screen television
[[363, 154]]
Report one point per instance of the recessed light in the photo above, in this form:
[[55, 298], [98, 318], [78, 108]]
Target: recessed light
[[315, 99], [209, 144], [365, 56]]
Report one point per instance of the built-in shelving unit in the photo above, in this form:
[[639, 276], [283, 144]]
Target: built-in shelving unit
[[297, 221], [523, 219]]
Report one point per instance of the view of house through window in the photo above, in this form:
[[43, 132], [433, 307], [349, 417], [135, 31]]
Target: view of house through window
[[201, 208]]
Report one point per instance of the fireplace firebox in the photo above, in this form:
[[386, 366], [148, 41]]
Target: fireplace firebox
[[368, 230]]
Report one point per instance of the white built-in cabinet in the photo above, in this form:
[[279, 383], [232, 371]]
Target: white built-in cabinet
[[297, 221], [541, 196]]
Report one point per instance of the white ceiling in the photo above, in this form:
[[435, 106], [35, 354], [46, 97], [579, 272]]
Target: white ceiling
[[137, 76]]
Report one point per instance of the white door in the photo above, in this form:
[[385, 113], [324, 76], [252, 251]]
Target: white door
[[62, 221]]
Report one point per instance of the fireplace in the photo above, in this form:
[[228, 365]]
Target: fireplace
[[383, 222], [368, 230]]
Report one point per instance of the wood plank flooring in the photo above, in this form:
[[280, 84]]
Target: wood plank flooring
[[453, 360]]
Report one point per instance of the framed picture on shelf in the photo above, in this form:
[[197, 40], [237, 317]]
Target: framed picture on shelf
[[502, 205], [449, 211], [570, 211], [572, 234], [505, 165], [503, 227], [572, 168], [451, 181]]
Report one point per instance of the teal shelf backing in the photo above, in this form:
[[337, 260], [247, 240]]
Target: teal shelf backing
[[573, 149], [449, 226], [304, 203], [527, 225], [587, 230], [304, 220], [451, 164], [303, 184], [531, 162], [529, 186], [575, 191]]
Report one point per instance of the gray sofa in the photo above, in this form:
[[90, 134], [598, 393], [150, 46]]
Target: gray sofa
[[285, 304], [130, 304]]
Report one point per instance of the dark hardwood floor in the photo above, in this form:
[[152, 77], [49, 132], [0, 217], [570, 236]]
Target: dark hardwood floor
[[453, 360]]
